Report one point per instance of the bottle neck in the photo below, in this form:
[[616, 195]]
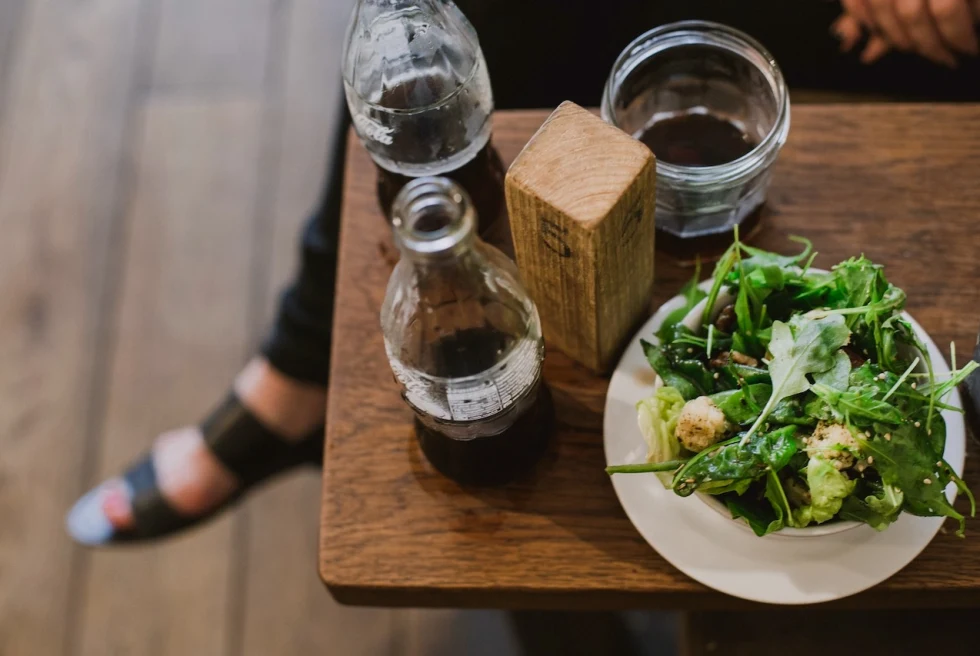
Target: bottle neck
[[433, 220]]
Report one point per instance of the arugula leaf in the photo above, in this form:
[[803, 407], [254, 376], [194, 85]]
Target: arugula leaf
[[731, 461], [837, 377], [811, 350], [857, 408], [908, 462], [878, 509], [760, 258], [856, 280], [658, 360]]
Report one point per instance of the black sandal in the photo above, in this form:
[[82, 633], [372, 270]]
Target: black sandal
[[250, 450]]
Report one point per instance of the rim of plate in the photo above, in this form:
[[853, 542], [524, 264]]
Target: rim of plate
[[715, 550]]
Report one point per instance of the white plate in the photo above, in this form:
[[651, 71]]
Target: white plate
[[715, 550]]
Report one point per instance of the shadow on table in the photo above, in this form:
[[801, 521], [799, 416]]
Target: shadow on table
[[568, 487]]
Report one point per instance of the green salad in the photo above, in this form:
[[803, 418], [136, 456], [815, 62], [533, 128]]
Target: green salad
[[798, 397]]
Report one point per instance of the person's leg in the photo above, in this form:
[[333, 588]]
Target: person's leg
[[283, 388]]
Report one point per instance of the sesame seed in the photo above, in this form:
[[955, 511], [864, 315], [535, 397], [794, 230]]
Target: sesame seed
[[716, 376], [690, 480], [927, 481], [867, 434], [871, 460], [917, 424], [939, 464], [882, 376], [888, 436], [690, 350], [915, 385]]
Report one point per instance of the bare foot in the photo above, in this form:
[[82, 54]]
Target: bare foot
[[189, 476]]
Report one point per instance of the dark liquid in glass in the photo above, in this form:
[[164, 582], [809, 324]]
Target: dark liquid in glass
[[488, 459], [482, 176], [699, 140]]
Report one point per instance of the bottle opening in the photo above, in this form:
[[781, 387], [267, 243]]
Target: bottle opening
[[432, 215]]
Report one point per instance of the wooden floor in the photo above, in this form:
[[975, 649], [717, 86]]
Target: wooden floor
[[156, 160]]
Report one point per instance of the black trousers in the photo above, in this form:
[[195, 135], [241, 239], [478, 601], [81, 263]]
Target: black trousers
[[541, 52]]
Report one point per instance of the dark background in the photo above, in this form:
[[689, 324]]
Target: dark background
[[541, 52]]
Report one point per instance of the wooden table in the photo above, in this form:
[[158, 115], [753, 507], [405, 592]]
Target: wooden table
[[900, 183]]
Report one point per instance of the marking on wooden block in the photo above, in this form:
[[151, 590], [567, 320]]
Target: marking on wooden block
[[632, 221], [552, 236]]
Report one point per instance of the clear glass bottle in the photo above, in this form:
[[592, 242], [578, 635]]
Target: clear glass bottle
[[419, 96], [464, 340]]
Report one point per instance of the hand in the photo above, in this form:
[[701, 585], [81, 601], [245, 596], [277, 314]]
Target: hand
[[935, 29]]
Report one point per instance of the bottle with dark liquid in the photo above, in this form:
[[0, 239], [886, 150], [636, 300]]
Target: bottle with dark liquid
[[464, 340], [420, 99]]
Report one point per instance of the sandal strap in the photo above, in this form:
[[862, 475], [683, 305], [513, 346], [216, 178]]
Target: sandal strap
[[154, 515], [247, 447]]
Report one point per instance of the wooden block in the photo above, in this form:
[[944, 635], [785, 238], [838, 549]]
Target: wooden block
[[581, 199]]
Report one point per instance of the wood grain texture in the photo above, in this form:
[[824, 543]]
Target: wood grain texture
[[213, 47], [181, 336], [58, 182], [581, 198], [286, 610], [896, 182]]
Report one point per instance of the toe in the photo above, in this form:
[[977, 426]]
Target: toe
[[87, 522], [115, 505]]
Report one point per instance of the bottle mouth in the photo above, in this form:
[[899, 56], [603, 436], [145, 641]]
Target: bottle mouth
[[431, 216]]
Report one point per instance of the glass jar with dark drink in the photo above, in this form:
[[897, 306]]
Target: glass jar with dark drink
[[711, 104], [420, 99], [464, 340]]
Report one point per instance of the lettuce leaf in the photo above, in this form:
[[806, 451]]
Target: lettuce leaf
[[828, 489], [657, 417]]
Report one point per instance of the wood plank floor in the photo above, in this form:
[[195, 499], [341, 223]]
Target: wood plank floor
[[157, 159]]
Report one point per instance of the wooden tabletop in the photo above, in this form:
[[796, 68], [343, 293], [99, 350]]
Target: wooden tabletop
[[900, 183]]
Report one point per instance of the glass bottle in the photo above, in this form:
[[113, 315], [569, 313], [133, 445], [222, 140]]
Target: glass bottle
[[464, 340], [419, 96]]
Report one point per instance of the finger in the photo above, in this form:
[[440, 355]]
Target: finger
[[858, 9], [955, 22], [848, 31], [923, 32], [886, 18], [877, 48]]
